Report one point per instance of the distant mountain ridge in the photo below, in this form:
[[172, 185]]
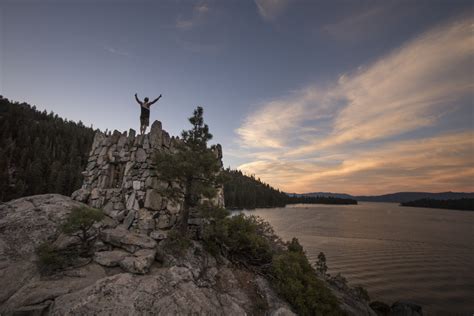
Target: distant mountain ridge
[[398, 197]]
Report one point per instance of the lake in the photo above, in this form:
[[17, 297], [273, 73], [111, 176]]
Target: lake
[[418, 254]]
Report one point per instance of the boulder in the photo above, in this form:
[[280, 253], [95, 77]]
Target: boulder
[[166, 140], [37, 294], [95, 194], [127, 240], [122, 141], [140, 155], [128, 167], [131, 133], [140, 262], [136, 185], [81, 195], [152, 182], [108, 209], [132, 203], [146, 222], [405, 308], [163, 221], [153, 200], [155, 135], [110, 258], [350, 303], [98, 140]]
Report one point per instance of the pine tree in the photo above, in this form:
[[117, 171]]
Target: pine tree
[[321, 264], [191, 166]]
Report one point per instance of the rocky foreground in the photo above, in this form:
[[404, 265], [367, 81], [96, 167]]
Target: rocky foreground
[[130, 274]]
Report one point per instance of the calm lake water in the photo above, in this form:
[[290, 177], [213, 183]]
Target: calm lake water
[[419, 254]]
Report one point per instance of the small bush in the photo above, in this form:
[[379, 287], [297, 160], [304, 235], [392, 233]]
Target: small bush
[[79, 224], [49, 259], [251, 242], [362, 293], [295, 280], [176, 243], [239, 238]]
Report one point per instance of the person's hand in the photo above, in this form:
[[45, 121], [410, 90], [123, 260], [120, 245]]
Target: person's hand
[[135, 94], [160, 96]]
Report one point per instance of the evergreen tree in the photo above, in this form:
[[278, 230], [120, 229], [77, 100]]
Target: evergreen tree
[[321, 265], [191, 166]]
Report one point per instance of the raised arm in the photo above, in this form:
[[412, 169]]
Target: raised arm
[[152, 102], [136, 98]]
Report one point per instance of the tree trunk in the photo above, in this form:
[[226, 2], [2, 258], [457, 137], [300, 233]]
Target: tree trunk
[[186, 209]]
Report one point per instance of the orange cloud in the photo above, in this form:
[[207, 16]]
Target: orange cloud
[[433, 164]]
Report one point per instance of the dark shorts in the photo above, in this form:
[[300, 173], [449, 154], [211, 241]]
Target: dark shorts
[[144, 121]]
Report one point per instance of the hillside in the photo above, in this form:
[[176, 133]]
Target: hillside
[[460, 204], [39, 151], [241, 191], [400, 197], [397, 197]]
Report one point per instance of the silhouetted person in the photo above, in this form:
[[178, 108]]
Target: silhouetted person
[[145, 112]]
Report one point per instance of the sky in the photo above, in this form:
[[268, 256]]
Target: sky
[[360, 97]]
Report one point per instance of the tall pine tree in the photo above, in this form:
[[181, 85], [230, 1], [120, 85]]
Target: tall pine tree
[[191, 166]]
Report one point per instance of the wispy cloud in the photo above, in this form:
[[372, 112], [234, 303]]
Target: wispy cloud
[[271, 9], [115, 51], [411, 88], [199, 12], [434, 164]]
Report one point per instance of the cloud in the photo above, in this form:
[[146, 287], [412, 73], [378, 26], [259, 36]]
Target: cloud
[[273, 125], [115, 51], [412, 88], [200, 10], [434, 164], [401, 92], [271, 9]]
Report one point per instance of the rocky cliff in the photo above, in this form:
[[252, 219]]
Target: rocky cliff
[[121, 178], [195, 283]]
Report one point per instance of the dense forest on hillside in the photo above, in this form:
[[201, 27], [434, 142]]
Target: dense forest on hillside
[[241, 191], [320, 200], [39, 151], [247, 192], [460, 204]]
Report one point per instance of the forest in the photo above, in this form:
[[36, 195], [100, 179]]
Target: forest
[[464, 204], [40, 152], [247, 192], [241, 191]]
